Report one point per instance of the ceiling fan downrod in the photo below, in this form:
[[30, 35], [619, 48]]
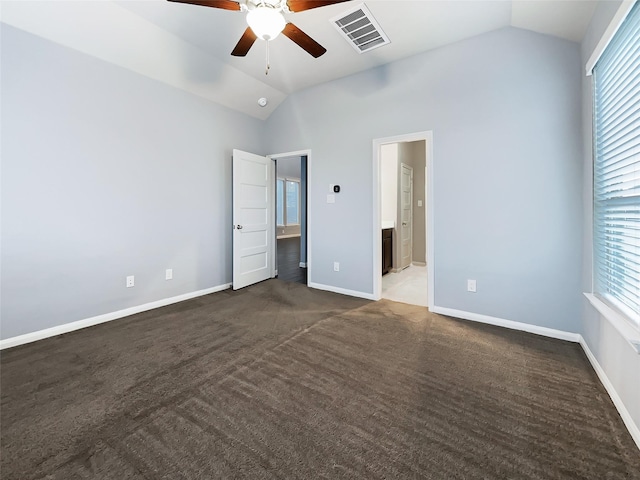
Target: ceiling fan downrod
[[266, 71]]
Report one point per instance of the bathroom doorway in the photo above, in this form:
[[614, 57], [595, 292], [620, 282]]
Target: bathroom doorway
[[403, 218]]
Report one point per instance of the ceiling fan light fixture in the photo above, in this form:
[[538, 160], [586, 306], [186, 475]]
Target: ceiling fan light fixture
[[266, 22]]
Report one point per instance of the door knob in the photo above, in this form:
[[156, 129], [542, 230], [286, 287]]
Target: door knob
[[404, 224], [239, 227]]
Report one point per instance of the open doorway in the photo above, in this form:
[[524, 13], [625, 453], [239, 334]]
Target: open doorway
[[403, 218], [291, 217]]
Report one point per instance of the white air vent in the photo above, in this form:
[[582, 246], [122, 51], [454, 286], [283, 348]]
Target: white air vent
[[360, 29]]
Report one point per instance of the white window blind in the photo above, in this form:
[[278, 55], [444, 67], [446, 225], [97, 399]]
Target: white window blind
[[617, 169], [280, 202]]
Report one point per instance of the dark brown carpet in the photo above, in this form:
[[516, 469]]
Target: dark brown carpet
[[281, 381]]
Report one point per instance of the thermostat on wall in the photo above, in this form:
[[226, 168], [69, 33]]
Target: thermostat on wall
[[336, 188]]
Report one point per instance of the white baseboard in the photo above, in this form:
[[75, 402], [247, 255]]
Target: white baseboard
[[615, 398], [344, 291], [107, 317], [303, 264], [562, 335], [419, 264], [500, 322]]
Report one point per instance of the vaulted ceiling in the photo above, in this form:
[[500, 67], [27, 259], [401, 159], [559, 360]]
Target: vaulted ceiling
[[189, 46]]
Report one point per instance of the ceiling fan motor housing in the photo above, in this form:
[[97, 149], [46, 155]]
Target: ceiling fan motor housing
[[266, 22]]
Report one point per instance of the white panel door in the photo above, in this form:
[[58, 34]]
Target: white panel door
[[406, 214], [253, 218]]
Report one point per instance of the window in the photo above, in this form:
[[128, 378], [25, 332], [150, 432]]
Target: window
[[293, 202], [280, 202], [616, 186], [287, 201]]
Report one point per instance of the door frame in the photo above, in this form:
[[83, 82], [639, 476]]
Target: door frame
[[427, 136], [296, 153]]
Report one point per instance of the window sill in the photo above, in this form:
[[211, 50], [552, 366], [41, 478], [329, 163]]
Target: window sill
[[624, 326]]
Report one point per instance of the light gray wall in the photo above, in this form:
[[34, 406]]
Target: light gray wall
[[505, 111], [612, 351], [106, 173]]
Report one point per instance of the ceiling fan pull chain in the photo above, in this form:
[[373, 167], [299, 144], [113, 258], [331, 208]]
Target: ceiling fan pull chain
[[266, 72]]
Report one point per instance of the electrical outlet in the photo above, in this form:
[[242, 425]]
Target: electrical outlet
[[168, 274], [131, 281], [336, 266], [471, 286]]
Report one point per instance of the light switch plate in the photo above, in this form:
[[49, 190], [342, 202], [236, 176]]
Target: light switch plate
[[419, 203]]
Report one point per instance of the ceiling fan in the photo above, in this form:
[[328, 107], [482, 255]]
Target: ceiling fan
[[266, 21]]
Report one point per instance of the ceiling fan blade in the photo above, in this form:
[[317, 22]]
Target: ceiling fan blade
[[301, 5], [307, 43], [224, 4], [245, 43]]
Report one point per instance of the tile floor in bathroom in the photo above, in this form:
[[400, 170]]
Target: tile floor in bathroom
[[406, 286]]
